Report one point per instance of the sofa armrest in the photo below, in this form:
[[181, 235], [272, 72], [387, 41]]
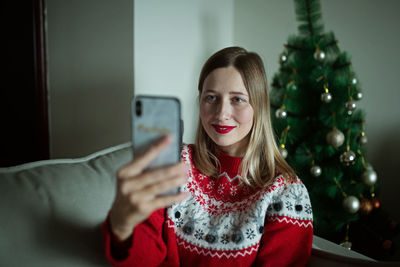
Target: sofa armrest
[[328, 254]]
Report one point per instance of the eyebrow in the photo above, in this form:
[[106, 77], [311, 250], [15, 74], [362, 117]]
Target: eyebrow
[[237, 93], [231, 93]]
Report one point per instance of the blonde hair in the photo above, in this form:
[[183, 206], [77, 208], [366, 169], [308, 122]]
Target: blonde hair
[[262, 158]]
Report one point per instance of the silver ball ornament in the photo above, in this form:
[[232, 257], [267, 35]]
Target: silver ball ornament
[[348, 158], [335, 138], [351, 105], [283, 152], [291, 87], [358, 96], [326, 97], [283, 57], [369, 177], [363, 139], [281, 114], [346, 244], [319, 55], [316, 171], [351, 204]]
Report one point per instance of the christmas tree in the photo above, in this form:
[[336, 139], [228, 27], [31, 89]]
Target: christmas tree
[[321, 132]]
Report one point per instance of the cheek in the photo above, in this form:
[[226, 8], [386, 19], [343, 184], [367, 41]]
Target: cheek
[[204, 113], [245, 116]]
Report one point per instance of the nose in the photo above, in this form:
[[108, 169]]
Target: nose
[[224, 111]]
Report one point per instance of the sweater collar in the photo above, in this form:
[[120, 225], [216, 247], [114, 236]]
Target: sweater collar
[[228, 164]]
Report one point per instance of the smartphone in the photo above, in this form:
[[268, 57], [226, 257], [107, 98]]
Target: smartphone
[[152, 118]]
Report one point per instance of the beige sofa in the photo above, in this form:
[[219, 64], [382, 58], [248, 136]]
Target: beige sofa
[[51, 212]]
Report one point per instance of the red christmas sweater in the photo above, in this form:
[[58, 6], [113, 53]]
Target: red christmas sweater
[[222, 223]]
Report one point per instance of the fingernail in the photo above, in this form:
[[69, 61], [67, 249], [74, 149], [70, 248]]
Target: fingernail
[[167, 138]]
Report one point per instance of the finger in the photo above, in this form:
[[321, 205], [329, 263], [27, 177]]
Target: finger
[[154, 177], [158, 189], [141, 161], [167, 200]]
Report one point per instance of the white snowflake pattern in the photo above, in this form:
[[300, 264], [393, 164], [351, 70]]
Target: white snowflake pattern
[[233, 191], [210, 185], [221, 190]]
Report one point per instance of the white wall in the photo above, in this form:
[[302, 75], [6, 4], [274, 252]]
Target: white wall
[[90, 63], [91, 46], [368, 30], [172, 41]]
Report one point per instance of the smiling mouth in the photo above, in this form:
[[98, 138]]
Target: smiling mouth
[[223, 129]]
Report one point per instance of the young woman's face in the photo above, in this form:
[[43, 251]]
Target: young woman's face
[[225, 110]]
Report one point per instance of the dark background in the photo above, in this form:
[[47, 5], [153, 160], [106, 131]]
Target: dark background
[[24, 115]]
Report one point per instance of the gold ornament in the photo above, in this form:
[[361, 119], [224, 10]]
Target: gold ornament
[[366, 206], [376, 203]]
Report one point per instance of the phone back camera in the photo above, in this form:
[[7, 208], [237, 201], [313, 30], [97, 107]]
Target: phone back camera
[[138, 108]]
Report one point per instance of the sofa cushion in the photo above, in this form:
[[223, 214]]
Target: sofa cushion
[[51, 211]]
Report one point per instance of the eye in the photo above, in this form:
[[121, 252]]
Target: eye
[[210, 98], [238, 100]]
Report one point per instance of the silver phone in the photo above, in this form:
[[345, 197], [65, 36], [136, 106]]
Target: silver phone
[[152, 118]]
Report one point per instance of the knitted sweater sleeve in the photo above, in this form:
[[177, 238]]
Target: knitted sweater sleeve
[[146, 247], [288, 234]]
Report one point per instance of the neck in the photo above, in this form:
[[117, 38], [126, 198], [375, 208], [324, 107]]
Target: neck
[[235, 150]]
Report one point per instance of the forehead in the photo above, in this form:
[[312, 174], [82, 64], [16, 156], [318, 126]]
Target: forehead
[[224, 80]]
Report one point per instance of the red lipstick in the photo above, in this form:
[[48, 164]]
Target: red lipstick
[[223, 129]]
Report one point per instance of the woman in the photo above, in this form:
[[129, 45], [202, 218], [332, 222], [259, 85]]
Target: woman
[[241, 204]]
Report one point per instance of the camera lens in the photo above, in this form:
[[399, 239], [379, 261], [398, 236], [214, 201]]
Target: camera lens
[[138, 108]]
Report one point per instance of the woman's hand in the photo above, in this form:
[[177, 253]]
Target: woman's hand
[[138, 191]]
